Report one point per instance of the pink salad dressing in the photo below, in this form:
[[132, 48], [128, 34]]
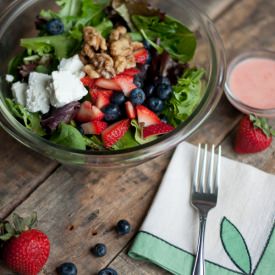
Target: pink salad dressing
[[253, 82]]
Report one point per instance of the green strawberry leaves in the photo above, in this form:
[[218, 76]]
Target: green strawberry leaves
[[18, 225], [262, 123]]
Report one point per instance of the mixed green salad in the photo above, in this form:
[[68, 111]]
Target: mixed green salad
[[104, 75]]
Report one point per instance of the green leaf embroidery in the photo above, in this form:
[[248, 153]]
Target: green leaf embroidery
[[235, 246]]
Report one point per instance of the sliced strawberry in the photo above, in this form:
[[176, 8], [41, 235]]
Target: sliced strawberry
[[115, 132], [88, 82], [94, 92], [130, 110], [146, 117], [131, 72], [94, 127], [85, 112], [126, 83], [102, 100], [96, 114], [141, 56], [108, 84], [157, 129]]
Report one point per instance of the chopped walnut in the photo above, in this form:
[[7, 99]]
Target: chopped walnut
[[91, 72], [117, 33], [103, 61], [93, 38]]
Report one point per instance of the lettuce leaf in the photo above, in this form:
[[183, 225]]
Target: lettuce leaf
[[94, 143], [186, 96], [68, 136], [30, 120], [62, 45], [138, 136], [173, 37]]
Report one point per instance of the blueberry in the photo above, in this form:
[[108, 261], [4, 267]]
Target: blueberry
[[138, 81], [118, 98], [163, 80], [137, 96], [55, 26], [149, 90], [107, 271], [163, 91], [67, 269], [149, 58], [112, 112], [163, 118], [123, 227], [155, 104], [146, 44], [99, 250]]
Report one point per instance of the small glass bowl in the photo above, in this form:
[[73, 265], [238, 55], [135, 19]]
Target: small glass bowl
[[17, 21], [244, 108]]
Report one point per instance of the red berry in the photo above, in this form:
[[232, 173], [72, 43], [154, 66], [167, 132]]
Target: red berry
[[115, 132], [252, 139], [146, 117], [141, 56], [102, 100], [157, 129], [130, 110], [88, 82], [94, 92], [108, 84], [126, 83], [87, 113], [28, 253], [94, 127], [131, 72]]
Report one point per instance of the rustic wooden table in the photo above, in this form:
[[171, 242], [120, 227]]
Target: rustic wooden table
[[79, 208]]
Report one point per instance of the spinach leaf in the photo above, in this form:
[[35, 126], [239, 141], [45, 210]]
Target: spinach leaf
[[173, 37], [94, 143], [68, 136], [30, 120], [127, 141], [15, 63], [186, 96]]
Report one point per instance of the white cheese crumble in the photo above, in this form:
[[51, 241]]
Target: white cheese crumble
[[73, 65], [65, 88], [9, 78], [37, 96], [19, 92]]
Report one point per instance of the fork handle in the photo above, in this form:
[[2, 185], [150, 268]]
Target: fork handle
[[199, 266]]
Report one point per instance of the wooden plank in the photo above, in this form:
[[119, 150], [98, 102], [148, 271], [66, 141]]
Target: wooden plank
[[22, 171]]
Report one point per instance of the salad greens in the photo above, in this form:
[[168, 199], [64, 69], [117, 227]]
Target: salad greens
[[68, 136], [30, 120], [170, 46], [173, 37], [186, 96]]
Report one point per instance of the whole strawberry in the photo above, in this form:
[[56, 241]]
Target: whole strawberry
[[253, 135], [24, 250]]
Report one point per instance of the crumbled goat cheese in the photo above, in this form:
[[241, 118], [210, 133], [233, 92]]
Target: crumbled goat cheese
[[73, 65], [37, 95], [19, 92], [65, 88], [9, 78]]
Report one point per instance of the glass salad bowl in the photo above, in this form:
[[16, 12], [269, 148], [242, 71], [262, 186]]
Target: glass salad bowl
[[17, 21]]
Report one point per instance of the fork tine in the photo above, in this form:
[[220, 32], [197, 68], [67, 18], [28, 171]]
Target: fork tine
[[210, 182], [203, 171], [218, 170], [196, 172]]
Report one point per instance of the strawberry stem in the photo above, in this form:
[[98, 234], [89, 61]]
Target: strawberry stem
[[262, 123]]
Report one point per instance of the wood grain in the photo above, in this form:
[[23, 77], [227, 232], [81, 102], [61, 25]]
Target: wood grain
[[78, 208]]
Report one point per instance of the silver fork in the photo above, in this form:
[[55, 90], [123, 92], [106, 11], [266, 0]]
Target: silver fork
[[204, 197]]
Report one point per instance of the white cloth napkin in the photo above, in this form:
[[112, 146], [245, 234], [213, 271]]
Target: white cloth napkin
[[246, 200]]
